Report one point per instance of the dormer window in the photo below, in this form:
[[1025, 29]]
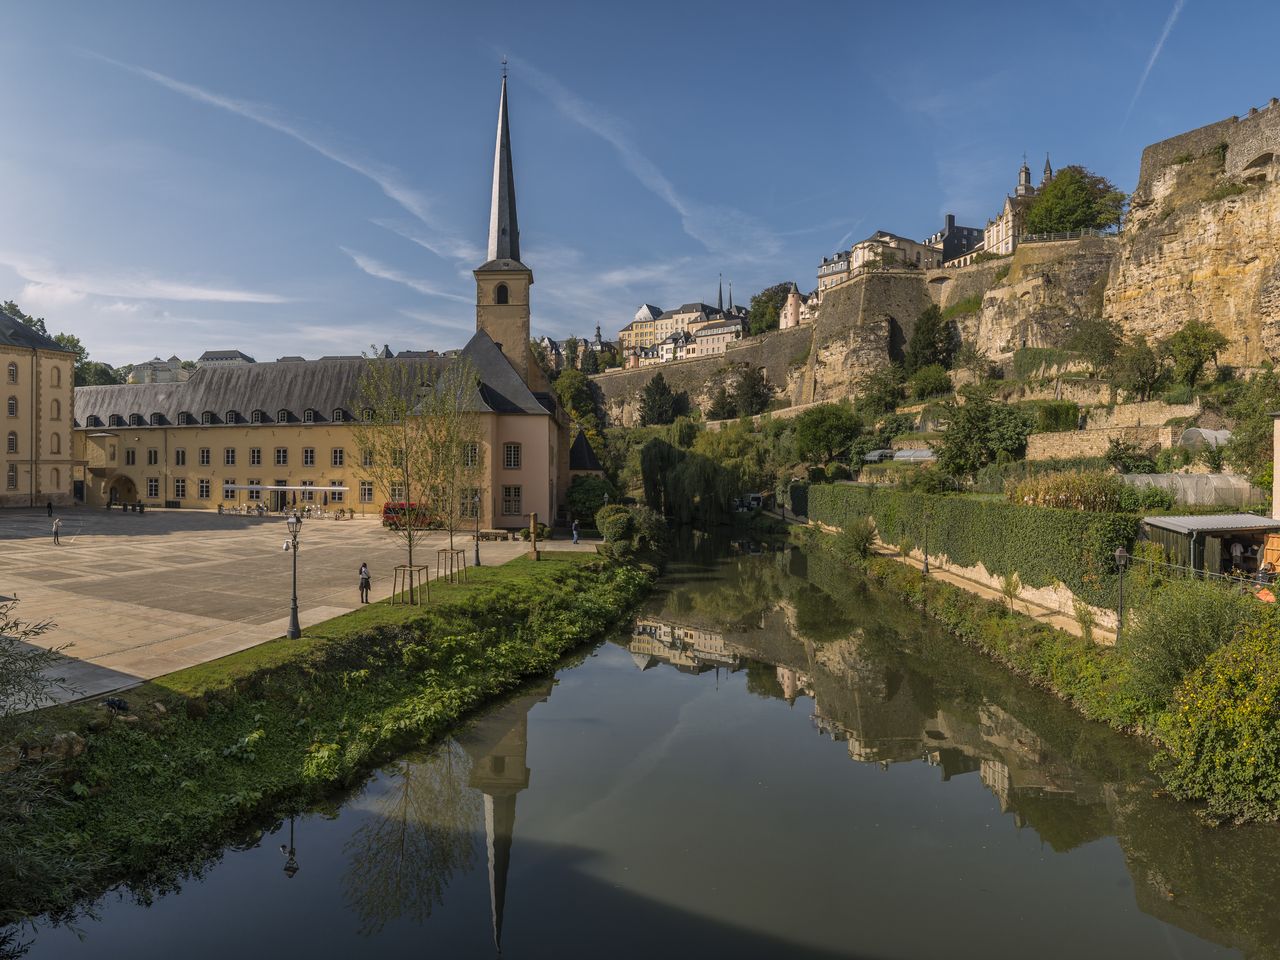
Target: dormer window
[[256, 416], [232, 417], [115, 420], [282, 416], [366, 414], [155, 419], [93, 420], [184, 419], [135, 419], [339, 415], [206, 418], [308, 416]]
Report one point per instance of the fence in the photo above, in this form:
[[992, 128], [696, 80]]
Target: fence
[[1065, 235]]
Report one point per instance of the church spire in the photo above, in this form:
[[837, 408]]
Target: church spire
[[720, 295], [504, 231], [1048, 169], [731, 296]]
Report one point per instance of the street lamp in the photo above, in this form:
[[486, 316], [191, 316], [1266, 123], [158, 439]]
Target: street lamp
[[925, 568], [294, 523], [1122, 561], [289, 853], [475, 507]]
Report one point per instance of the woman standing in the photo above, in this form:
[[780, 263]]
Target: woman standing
[[364, 583]]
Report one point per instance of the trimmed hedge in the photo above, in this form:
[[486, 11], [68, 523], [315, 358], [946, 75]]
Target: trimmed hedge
[[1044, 546]]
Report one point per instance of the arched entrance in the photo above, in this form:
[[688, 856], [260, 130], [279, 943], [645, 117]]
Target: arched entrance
[[122, 490]]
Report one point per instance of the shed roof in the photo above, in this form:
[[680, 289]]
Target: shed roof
[[1214, 523]]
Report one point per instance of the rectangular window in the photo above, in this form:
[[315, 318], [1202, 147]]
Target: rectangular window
[[511, 456], [255, 456], [153, 457], [471, 455], [366, 458], [397, 493], [229, 457], [511, 502], [179, 457], [335, 493], [205, 457], [153, 487], [308, 494], [203, 490], [366, 491], [255, 494], [338, 457], [469, 503], [111, 453], [282, 456], [179, 488], [227, 492], [130, 457], [11, 477], [308, 456]]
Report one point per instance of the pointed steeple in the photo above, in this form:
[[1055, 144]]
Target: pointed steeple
[[731, 296], [1048, 169], [504, 231], [720, 295]]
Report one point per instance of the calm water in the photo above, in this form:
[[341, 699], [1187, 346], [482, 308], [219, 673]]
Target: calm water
[[773, 761]]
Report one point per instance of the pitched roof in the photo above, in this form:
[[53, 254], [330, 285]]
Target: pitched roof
[[225, 355], [322, 385], [504, 230], [581, 456], [15, 333]]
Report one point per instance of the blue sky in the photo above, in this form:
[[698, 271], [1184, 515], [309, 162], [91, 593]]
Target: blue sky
[[313, 177]]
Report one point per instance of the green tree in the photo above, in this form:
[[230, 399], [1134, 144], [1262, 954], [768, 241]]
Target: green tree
[[97, 374], [570, 349], [574, 392], [1137, 369], [932, 342], [35, 323], [881, 392], [752, 393], [87, 372], [657, 402], [825, 432], [978, 431], [1075, 199], [539, 351], [590, 362], [1250, 449], [973, 360], [1097, 341], [765, 308], [586, 495], [930, 381], [1192, 349], [722, 406]]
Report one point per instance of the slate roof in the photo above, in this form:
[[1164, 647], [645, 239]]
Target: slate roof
[[15, 333], [322, 386], [581, 456], [504, 228], [225, 355]]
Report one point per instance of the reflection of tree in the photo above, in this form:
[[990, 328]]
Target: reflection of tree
[[402, 860]]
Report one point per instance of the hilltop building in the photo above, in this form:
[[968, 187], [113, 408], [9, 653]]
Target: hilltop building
[[1003, 231], [797, 309], [236, 423], [37, 375], [954, 241], [158, 371]]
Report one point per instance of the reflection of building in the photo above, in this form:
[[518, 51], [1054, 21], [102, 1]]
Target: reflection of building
[[498, 745], [688, 649]]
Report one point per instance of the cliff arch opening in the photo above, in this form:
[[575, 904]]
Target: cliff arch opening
[[897, 342]]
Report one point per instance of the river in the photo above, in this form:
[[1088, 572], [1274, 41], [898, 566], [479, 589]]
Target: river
[[774, 760]]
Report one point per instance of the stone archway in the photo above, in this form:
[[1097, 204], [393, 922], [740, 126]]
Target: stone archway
[[122, 490]]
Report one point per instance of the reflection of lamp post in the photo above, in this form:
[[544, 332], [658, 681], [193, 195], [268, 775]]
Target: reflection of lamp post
[[291, 861], [294, 523], [475, 506], [1122, 561]]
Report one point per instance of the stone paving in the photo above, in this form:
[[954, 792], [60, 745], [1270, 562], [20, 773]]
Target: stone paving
[[141, 595]]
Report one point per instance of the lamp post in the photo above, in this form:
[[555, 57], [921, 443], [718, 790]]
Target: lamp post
[[475, 504], [294, 523], [1122, 561], [290, 854], [925, 568]]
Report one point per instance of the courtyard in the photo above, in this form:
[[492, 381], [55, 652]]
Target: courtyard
[[136, 596]]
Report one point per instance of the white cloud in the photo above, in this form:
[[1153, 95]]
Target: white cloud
[[445, 246], [375, 268], [47, 296], [1155, 53], [118, 306]]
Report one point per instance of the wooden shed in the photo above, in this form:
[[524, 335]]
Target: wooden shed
[[1204, 542]]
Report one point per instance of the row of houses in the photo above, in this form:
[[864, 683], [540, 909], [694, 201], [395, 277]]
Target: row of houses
[[694, 329]]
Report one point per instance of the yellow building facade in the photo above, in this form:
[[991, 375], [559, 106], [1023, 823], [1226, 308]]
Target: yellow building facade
[[37, 379]]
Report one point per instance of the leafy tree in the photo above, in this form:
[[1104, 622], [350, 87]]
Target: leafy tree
[[1250, 449], [574, 392], [87, 372], [765, 307], [35, 323], [882, 391], [1097, 341], [539, 351], [1137, 369], [973, 360], [929, 381], [657, 402], [932, 342], [590, 362], [722, 406], [1075, 199], [94, 373], [1191, 349], [752, 393], [586, 495], [570, 353], [824, 432], [1126, 457], [978, 431]]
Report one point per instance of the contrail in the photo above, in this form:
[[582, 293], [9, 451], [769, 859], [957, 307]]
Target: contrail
[[1155, 53]]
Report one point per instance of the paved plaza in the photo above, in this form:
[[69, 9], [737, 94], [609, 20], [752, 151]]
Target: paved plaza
[[141, 595]]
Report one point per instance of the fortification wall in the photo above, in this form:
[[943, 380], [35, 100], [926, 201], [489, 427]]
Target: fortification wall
[[1246, 138]]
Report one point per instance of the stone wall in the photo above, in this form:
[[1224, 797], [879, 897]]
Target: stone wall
[[1246, 138], [1152, 413], [1094, 443]]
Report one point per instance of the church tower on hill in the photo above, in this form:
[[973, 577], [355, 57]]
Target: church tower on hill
[[502, 281]]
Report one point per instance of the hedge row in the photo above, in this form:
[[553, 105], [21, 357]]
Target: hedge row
[[1044, 546]]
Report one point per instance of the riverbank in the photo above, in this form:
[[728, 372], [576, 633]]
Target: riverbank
[[147, 796]]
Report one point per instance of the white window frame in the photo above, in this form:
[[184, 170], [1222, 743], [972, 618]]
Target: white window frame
[[179, 488], [153, 488], [366, 491], [337, 457], [308, 456], [510, 499], [204, 489], [282, 456], [336, 496], [255, 456], [206, 456]]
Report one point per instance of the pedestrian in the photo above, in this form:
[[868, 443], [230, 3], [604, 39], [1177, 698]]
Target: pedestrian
[[364, 583], [49, 506], [57, 529], [575, 529]]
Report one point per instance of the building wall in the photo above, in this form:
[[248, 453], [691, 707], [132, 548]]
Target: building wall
[[41, 469], [507, 324]]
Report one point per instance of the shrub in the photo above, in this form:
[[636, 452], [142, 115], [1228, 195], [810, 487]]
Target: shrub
[[970, 304], [1087, 490], [1179, 393], [1001, 273], [1056, 416], [1034, 361], [1127, 458], [632, 532], [817, 475], [1213, 458], [1172, 459], [838, 471], [586, 495], [1220, 734], [544, 532], [1184, 622], [930, 381], [857, 539]]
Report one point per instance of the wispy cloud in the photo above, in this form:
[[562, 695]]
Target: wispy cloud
[[722, 230], [49, 285], [1155, 54], [443, 245], [376, 268]]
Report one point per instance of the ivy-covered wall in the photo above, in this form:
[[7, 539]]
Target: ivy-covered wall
[[1043, 546]]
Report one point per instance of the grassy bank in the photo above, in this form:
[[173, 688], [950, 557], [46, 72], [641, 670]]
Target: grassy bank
[[215, 748]]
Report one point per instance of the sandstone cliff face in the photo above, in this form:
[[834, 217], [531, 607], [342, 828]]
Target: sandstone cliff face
[[1185, 255]]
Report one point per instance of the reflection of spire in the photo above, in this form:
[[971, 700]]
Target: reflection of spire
[[498, 745]]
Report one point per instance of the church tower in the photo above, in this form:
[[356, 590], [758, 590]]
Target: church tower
[[502, 281]]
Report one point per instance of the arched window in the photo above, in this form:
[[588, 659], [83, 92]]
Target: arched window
[[308, 416], [13, 373], [339, 415], [366, 414], [55, 443], [256, 416], [55, 409], [12, 445], [500, 294], [56, 376], [56, 476], [13, 406], [282, 416], [206, 417]]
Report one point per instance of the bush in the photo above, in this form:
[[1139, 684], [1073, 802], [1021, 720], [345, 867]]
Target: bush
[[1042, 545], [970, 304], [631, 532], [1179, 393], [1056, 416], [1127, 458], [857, 539], [930, 381], [1087, 490], [1172, 459], [544, 532], [838, 471], [1173, 634], [1031, 362], [1220, 734], [586, 495]]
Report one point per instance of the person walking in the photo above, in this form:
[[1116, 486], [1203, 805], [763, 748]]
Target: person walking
[[364, 583], [575, 529], [57, 529]]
